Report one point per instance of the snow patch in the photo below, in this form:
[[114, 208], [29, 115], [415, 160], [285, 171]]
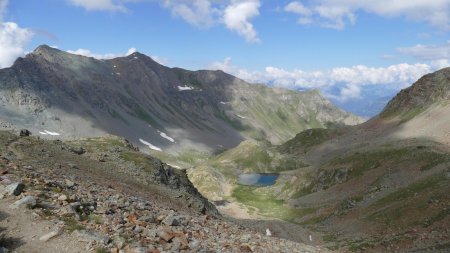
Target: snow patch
[[151, 146], [224, 103], [136, 57], [165, 136], [184, 88], [118, 73], [240, 116], [268, 233], [176, 167], [115, 66], [46, 132]]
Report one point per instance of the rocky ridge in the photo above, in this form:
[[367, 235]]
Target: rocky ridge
[[428, 90]]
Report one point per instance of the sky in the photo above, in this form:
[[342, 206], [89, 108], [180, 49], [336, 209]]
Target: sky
[[357, 53]]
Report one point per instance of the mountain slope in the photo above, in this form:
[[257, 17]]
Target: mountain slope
[[108, 197], [375, 187], [428, 90], [53, 92]]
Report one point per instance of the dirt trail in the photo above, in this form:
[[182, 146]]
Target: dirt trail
[[15, 224]]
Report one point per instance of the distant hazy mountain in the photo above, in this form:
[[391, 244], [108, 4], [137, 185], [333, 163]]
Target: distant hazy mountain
[[54, 93], [371, 102]]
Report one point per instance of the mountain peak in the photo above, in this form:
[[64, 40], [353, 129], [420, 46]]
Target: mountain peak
[[44, 49], [143, 58]]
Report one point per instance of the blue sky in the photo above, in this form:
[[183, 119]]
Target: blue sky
[[345, 48]]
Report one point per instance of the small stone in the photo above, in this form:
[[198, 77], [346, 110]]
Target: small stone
[[15, 189], [194, 244], [171, 220], [67, 211], [150, 233], [245, 248], [136, 250], [166, 235], [150, 219], [119, 241], [77, 150], [62, 197], [25, 201], [181, 239], [69, 183], [137, 229], [50, 235], [5, 180], [132, 218], [24, 133], [91, 236], [246, 238]]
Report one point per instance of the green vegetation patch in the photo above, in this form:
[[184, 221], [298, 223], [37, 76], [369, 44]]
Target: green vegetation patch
[[71, 224], [359, 163], [413, 189], [267, 204], [307, 139], [135, 157], [404, 115], [100, 143], [413, 205]]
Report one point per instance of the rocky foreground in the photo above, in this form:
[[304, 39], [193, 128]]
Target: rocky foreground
[[95, 216]]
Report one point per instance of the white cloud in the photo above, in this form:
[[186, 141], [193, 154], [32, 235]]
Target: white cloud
[[430, 52], [13, 40], [299, 9], [237, 15], [339, 13], [335, 16], [348, 80], [199, 13], [89, 53], [131, 51], [350, 91], [437, 55], [234, 14], [100, 5], [439, 64]]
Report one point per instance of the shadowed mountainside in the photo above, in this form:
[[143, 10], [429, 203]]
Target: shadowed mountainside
[[53, 92]]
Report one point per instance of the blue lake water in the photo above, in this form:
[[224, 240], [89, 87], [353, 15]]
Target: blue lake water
[[258, 179]]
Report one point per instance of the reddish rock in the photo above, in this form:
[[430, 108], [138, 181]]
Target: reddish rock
[[166, 235]]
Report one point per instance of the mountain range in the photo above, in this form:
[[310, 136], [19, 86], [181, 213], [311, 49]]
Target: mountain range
[[54, 93]]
